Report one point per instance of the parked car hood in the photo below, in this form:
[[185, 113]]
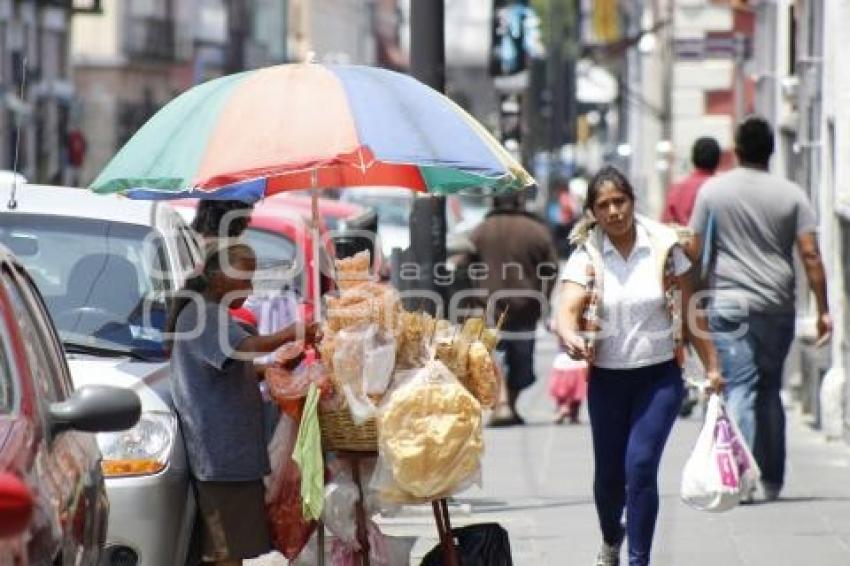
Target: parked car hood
[[148, 379]]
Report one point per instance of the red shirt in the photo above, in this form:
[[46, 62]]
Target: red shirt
[[681, 197]]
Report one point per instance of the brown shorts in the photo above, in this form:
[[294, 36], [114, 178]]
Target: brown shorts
[[233, 520]]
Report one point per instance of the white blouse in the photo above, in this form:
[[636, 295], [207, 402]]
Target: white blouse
[[636, 330]]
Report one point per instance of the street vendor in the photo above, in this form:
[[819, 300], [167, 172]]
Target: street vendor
[[214, 386]]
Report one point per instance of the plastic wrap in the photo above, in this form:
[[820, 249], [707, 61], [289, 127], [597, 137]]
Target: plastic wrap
[[287, 385], [289, 530], [339, 515], [430, 438], [363, 365], [383, 550]]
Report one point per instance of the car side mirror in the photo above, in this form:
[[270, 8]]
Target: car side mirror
[[16, 503], [96, 408]]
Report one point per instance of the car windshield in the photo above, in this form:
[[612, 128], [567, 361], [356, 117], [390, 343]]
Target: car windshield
[[104, 283]]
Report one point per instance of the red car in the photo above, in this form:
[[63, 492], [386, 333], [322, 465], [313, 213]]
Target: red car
[[44, 435]]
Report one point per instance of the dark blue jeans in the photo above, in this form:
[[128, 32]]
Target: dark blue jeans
[[752, 350], [631, 414]]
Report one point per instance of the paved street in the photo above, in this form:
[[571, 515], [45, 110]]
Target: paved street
[[537, 484]]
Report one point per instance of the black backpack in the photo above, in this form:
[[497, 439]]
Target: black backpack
[[486, 544]]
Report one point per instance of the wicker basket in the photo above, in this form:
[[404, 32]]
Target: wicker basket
[[339, 433]]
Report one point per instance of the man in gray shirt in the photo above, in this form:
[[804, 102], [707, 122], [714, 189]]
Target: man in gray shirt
[[749, 222]]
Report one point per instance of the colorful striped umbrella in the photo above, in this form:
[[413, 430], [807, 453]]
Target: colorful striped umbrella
[[303, 126]]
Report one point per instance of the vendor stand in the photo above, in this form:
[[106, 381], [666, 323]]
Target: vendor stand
[[403, 391], [309, 126]]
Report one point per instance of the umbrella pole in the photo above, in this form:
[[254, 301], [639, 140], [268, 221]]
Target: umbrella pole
[[317, 258]]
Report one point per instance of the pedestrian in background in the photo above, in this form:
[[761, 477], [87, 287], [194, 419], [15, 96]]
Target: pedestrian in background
[[705, 156], [619, 312], [218, 403], [756, 220], [522, 267], [562, 213]]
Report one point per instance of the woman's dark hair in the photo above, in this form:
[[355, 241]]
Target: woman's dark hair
[[608, 174], [211, 213], [214, 263], [754, 141], [705, 154]]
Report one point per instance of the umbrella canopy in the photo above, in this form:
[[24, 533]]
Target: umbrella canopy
[[302, 126]]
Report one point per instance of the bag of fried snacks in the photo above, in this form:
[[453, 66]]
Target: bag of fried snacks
[[348, 310], [430, 440], [363, 364], [353, 271], [416, 332], [482, 379]]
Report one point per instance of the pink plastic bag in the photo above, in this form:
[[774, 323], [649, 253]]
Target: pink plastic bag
[[568, 379], [721, 468]]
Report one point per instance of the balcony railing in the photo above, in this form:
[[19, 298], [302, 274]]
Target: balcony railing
[[150, 38]]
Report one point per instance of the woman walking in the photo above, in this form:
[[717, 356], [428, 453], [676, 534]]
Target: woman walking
[[620, 312], [214, 386]]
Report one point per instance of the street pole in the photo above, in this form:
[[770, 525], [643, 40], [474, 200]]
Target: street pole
[[556, 88], [669, 54], [237, 22], [427, 43], [428, 215]]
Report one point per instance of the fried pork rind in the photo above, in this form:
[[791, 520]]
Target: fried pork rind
[[348, 310], [415, 333], [430, 437], [367, 303], [490, 338], [482, 381], [353, 271]]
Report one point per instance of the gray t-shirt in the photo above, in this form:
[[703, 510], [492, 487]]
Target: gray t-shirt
[[217, 397], [757, 218]]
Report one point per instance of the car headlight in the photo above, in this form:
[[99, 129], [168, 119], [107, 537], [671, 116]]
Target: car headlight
[[141, 450]]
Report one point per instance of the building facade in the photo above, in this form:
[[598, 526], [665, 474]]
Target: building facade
[[136, 55], [34, 52], [689, 74], [332, 31], [803, 87]]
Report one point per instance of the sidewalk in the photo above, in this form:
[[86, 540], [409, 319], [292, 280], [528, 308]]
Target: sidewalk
[[537, 484]]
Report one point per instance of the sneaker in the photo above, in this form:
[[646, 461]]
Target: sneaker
[[609, 554]]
